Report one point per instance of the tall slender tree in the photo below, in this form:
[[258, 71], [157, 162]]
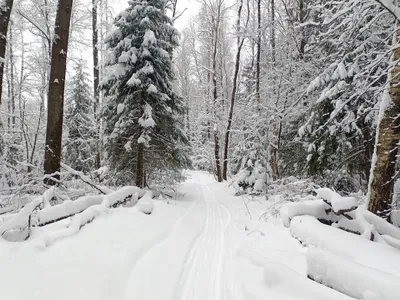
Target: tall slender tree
[[240, 42], [82, 133], [55, 100], [5, 12], [96, 72]]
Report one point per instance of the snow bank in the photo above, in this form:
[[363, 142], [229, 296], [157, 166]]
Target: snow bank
[[351, 278], [285, 280], [355, 248], [77, 222]]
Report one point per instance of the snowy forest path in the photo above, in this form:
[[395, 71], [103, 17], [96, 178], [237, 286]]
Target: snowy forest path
[[188, 263]]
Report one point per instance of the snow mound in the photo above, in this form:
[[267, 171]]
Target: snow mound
[[351, 278], [285, 280]]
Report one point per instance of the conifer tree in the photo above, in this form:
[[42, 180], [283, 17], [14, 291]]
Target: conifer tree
[[142, 114], [80, 147]]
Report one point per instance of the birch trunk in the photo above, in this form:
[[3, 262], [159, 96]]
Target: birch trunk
[[383, 175]]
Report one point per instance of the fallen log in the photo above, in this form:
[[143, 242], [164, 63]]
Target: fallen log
[[70, 208]]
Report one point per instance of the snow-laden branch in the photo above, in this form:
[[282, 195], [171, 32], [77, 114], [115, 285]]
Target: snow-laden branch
[[391, 7], [85, 179]]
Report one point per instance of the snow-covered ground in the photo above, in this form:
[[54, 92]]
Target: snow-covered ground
[[208, 245]]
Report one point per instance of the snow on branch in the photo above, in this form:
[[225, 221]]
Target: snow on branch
[[391, 7], [85, 179]]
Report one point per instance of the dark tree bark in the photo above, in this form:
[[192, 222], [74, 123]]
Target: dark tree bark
[[95, 41], [258, 51], [275, 151], [240, 42], [55, 106], [215, 94], [96, 72], [140, 182], [384, 172], [5, 11], [273, 37], [302, 17]]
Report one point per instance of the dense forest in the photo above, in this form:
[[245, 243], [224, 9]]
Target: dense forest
[[251, 90], [251, 154]]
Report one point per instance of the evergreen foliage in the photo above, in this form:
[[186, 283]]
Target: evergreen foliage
[[80, 146], [142, 109]]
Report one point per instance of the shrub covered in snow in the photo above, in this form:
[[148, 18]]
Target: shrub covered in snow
[[252, 179]]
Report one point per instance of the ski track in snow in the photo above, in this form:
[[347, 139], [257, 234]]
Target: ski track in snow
[[203, 277], [189, 263]]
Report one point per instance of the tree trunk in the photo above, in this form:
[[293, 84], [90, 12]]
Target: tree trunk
[[5, 11], [275, 152], [140, 166], [240, 42], [273, 38], [302, 17], [96, 75], [258, 55], [217, 158], [215, 97], [383, 174], [55, 106]]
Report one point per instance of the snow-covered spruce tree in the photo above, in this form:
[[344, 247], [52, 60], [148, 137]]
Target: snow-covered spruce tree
[[142, 114], [80, 146]]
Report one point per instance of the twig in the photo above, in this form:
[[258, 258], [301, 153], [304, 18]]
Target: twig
[[84, 178]]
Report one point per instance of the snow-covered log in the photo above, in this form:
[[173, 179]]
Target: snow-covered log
[[341, 206], [127, 195], [316, 208], [5, 210], [343, 213], [122, 196], [351, 278], [311, 232], [67, 209], [71, 208], [22, 218]]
